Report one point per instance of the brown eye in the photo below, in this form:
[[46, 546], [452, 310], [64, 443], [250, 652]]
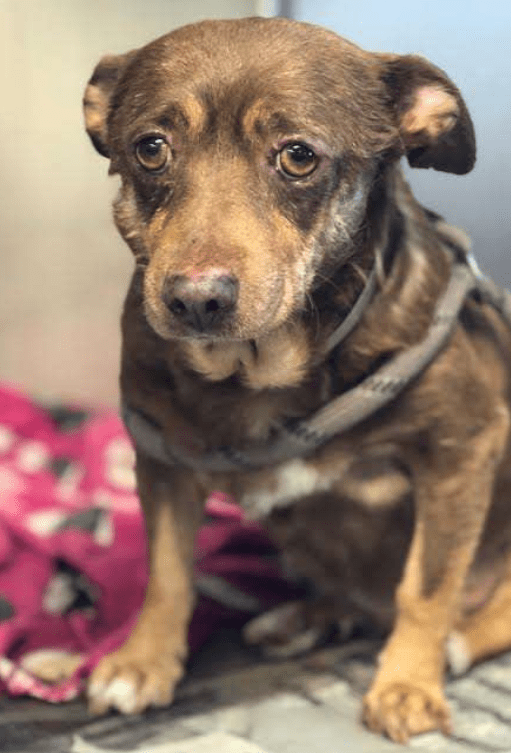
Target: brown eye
[[152, 152], [297, 160]]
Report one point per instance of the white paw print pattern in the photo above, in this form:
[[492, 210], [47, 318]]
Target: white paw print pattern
[[32, 457], [45, 523], [119, 466]]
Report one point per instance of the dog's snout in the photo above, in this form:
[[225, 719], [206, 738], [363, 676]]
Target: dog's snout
[[201, 302]]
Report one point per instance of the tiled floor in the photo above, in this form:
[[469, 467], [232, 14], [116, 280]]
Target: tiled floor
[[232, 702]]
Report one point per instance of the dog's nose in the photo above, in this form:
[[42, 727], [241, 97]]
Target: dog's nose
[[203, 301]]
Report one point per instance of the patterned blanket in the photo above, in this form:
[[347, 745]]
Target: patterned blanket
[[72, 546]]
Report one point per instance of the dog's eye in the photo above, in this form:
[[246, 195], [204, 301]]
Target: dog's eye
[[297, 160], [152, 152]]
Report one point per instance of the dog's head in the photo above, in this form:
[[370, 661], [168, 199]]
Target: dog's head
[[248, 151]]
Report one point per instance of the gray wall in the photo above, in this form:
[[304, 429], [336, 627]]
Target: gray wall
[[472, 42]]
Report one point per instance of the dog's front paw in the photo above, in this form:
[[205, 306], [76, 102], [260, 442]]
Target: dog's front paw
[[401, 710], [130, 683]]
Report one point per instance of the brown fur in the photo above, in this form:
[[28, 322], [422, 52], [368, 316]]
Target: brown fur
[[394, 520]]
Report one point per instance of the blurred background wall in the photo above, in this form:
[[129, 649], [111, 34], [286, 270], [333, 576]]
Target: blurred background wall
[[471, 41], [64, 271]]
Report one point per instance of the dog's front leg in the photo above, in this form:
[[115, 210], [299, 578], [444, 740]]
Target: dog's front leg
[[407, 697], [145, 670]]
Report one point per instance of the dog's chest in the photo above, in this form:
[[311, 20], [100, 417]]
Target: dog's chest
[[290, 482], [372, 480]]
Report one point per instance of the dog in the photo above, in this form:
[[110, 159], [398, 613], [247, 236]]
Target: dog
[[283, 268]]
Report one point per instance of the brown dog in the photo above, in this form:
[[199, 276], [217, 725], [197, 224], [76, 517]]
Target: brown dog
[[261, 189]]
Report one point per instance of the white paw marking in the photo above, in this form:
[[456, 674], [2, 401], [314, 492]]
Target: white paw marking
[[458, 654], [119, 694]]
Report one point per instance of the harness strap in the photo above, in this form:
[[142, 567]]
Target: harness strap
[[349, 323], [301, 438], [355, 405]]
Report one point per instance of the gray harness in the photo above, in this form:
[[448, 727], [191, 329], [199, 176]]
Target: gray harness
[[299, 438]]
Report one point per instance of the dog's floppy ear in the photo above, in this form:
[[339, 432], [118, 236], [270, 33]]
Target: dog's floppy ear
[[433, 120], [98, 95]]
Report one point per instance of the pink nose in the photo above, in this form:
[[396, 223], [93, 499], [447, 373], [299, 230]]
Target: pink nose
[[201, 302]]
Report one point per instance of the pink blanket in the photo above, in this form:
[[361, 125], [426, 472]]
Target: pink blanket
[[72, 545]]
